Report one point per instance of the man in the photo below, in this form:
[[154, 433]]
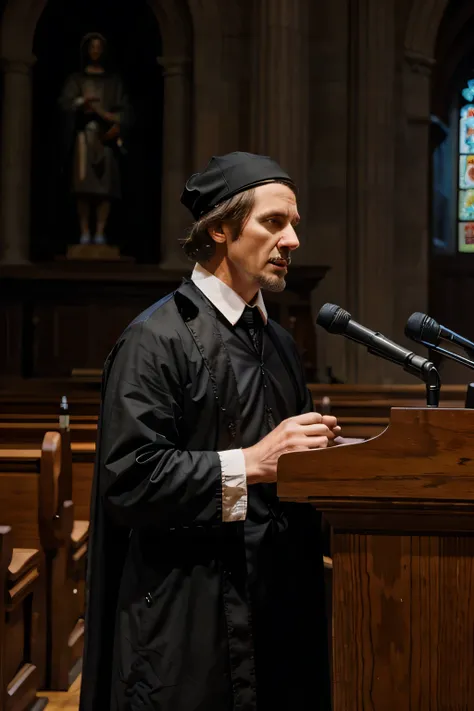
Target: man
[[205, 592], [95, 108]]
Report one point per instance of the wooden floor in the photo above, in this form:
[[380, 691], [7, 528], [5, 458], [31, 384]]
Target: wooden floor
[[63, 700]]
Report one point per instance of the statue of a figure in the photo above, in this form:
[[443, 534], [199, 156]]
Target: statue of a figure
[[95, 108]]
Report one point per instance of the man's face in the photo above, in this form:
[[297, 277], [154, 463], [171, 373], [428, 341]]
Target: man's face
[[260, 255], [95, 49]]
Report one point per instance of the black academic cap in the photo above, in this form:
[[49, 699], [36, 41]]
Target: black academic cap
[[225, 176]]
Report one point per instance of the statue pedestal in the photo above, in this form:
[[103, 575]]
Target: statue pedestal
[[94, 252]]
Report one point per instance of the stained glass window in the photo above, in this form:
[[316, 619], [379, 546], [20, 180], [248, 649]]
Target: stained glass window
[[465, 211]]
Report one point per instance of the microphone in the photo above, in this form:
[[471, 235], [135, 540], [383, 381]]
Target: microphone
[[427, 332], [424, 329], [336, 320]]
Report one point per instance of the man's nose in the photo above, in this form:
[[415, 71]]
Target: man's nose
[[289, 238]]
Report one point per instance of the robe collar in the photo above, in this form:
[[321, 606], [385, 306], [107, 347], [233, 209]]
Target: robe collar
[[225, 299]]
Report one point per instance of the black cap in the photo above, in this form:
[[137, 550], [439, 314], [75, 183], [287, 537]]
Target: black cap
[[225, 176]]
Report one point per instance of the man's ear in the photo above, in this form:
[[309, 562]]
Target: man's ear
[[217, 233]]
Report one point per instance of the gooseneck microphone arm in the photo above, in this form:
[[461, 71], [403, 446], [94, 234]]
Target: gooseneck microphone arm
[[338, 321]]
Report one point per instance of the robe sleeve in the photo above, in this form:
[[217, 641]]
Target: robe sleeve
[[147, 479], [71, 95]]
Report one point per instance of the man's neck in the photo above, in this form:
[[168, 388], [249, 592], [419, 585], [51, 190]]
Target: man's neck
[[247, 291]]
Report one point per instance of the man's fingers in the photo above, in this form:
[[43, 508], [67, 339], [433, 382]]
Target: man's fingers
[[305, 443], [317, 442], [315, 430], [308, 418], [330, 421]]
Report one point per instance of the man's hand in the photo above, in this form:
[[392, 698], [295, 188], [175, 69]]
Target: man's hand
[[296, 434]]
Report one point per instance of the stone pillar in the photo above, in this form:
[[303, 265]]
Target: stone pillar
[[16, 162], [177, 160], [370, 183], [279, 87], [411, 256]]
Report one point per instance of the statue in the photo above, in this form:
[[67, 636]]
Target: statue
[[95, 111]]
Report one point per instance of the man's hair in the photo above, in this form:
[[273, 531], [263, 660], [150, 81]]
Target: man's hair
[[199, 245]]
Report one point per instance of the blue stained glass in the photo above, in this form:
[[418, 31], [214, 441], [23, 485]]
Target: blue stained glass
[[466, 205], [466, 171], [466, 130]]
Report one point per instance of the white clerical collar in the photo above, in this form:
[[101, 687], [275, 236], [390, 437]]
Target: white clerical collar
[[229, 303]]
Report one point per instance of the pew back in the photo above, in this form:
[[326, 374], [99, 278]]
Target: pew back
[[78, 455], [29, 486]]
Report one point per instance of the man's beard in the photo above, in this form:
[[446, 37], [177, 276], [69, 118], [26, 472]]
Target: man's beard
[[275, 284]]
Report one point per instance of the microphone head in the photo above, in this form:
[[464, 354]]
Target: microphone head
[[422, 328], [333, 318]]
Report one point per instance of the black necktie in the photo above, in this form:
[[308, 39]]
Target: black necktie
[[253, 323]]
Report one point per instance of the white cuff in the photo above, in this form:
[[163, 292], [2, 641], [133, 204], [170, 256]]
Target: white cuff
[[234, 485]]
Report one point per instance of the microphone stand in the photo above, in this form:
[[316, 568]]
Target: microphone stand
[[458, 359], [428, 374]]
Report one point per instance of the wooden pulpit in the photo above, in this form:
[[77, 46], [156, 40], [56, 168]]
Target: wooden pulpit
[[401, 511]]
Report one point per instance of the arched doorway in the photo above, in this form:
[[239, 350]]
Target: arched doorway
[[134, 40]]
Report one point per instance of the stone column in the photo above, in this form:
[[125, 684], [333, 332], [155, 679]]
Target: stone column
[[411, 256], [280, 85], [370, 184], [16, 162], [177, 160]]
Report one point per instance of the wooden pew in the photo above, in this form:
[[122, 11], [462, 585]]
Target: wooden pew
[[78, 453], [363, 410], [20, 649], [31, 503]]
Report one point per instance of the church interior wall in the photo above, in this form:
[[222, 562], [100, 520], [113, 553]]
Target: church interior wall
[[365, 186]]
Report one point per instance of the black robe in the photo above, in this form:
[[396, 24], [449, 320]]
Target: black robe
[[186, 612]]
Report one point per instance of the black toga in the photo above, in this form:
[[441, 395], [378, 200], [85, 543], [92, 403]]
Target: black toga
[[185, 612]]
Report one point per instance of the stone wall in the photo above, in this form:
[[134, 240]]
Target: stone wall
[[336, 90]]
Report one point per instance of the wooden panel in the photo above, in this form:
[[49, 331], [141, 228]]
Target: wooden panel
[[406, 601], [72, 314], [11, 321], [15, 640], [71, 335], [19, 502]]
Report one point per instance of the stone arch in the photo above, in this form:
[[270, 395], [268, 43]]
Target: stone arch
[[423, 24], [20, 18], [19, 22]]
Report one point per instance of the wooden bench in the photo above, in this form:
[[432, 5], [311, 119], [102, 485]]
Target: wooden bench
[[78, 454], [20, 608], [42, 519]]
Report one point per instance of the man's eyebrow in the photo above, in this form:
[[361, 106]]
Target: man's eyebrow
[[278, 213]]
